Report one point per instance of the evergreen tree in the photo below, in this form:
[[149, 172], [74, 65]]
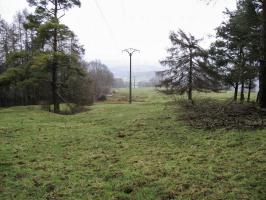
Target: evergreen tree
[[236, 50], [51, 11], [26, 71], [188, 64]]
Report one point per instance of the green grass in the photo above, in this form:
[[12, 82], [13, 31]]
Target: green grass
[[121, 151]]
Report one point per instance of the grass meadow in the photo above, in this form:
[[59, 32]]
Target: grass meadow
[[119, 151]]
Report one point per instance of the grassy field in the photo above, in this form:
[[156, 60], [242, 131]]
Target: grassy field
[[120, 151]]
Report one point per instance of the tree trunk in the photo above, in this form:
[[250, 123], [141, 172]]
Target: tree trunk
[[242, 96], [236, 91], [20, 32], [55, 63], [27, 44], [190, 78], [262, 96], [258, 97], [15, 94], [249, 90]]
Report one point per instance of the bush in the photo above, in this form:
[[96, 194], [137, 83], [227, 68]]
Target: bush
[[102, 98]]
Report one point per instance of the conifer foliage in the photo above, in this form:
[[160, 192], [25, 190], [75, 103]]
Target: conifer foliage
[[188, 66], [41, 60]]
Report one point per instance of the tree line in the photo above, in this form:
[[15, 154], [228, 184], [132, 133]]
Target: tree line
[[41, 60], [234, 60]]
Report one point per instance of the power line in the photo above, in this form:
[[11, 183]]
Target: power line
[[105, 20], [123, 10]]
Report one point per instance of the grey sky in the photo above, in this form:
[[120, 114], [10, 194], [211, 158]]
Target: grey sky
[[105, 27]]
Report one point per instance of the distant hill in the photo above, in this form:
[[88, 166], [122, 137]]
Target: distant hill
[[139, 73]]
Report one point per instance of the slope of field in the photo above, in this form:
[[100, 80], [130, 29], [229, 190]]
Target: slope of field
[[121, 151]]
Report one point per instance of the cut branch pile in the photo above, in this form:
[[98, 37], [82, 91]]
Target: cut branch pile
[[210, 115]]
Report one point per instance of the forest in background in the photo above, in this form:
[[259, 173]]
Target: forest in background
[[234, 60], [41, 61]]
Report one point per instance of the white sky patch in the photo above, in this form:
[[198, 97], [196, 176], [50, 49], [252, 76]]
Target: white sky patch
[[106, 27]]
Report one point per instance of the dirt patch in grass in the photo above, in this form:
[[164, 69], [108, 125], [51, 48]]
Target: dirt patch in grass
[[66, 108], [20, 176], [209, 114], [50, 187], [74, 110]]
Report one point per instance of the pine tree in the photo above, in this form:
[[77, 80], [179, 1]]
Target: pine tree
[[51, 11], [188, 66], [236, 50]]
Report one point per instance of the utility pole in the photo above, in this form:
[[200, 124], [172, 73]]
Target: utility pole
[[134, 81], [130, 52]]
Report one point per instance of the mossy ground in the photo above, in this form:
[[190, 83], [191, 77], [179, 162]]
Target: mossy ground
[[120, 151]]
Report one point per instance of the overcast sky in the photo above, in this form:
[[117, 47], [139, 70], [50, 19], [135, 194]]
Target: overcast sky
[[106, 27]]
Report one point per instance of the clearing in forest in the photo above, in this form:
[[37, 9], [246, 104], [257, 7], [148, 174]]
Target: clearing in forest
[[119, 151]]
